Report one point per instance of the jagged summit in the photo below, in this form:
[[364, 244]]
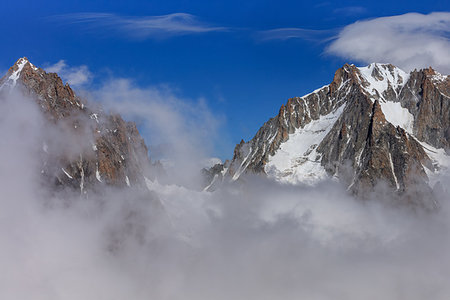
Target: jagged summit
[[104, 149], [370, 124], [15, 71]]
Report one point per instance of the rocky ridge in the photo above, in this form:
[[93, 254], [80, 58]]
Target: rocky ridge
[[87, 147], [369, 125]]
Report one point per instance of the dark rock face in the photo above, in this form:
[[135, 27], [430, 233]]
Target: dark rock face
[[297, 112], [95, 148], [427, 97], [362, 147]]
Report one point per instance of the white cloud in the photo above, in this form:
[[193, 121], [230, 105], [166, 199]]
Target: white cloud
[[409, 41], [350, 10], [186, 130], [294, 33], [261, 240], [75, 76], [145, 26]]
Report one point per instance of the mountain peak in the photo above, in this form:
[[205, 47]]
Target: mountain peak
[[382, 81], [370, 124], [21, 63], [102, 148], [15, 73]]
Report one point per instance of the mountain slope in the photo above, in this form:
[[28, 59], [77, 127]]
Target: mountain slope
[[85, 147], [371, 124]]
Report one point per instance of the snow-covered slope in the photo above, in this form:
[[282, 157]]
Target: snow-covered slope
[[10, 79], [297, 160], [344, 123]]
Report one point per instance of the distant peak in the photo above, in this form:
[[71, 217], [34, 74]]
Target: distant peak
[[13, 75], [381, 79], [430, 71], [22, 60]]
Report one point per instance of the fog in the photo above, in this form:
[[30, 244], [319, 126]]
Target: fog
[[258, 240]]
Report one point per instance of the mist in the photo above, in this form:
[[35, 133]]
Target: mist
[[258, 240]]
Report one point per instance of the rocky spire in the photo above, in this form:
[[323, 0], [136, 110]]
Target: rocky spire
[[107, 149]]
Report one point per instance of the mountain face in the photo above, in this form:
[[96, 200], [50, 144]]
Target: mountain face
[[369, 125], [91, 148]]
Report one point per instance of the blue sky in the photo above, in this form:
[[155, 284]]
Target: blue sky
[[242, 58]]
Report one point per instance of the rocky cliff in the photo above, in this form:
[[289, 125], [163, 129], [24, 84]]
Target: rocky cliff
[[370, 125], [85, 147]]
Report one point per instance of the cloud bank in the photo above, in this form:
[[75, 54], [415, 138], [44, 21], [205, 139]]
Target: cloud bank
[[186, 131], [144, 27], [260, 240], [408, 41]]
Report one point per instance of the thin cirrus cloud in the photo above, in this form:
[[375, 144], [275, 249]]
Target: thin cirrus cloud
[[142, 27], [350, 10], [296, 33], [408, 41]]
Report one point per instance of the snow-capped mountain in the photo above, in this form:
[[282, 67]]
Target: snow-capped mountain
[[99, 149], [370, 124]]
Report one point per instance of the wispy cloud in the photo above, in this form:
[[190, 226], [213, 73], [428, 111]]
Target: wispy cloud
[[409, 41], [295, 33], [350, 10], [75, 76], [143, 27]]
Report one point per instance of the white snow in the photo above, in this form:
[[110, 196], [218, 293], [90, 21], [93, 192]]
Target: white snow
[[12, 79], [398, 115], [127, 180], [396, 79], [94, 147], [441, 163], [15, 75], [94, 117], [67, 174], [393, 171], [296, 160], [245, 162], [439, 77], [315, 91], [97, 175]]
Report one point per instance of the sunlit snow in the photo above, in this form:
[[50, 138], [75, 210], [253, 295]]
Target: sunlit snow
[[297, 160]]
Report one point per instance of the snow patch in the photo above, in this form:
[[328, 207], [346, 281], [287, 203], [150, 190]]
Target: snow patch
[[12, 79], [297, 161], [94, 117], [395, 79], [393, 171], [97, 175], [67, 174], [398, 115], [439, 77], [440, 161], [315, 91]]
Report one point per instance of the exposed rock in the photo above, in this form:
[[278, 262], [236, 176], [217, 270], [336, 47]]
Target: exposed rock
[[95, 147], [371, 120], [427, 97]]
